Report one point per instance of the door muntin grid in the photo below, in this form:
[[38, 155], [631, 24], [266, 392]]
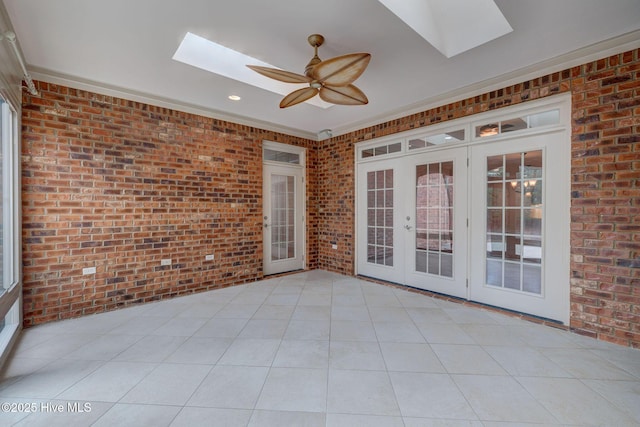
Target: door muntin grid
[[282, 217], [380, 195], [434, 219], [514, 238]]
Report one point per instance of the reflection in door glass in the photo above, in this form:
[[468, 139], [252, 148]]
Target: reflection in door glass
[[514, 221], [434, 219], [283, 217], [380, 217]]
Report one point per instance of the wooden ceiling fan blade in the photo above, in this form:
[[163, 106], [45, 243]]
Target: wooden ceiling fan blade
[[341, 70], [298, 96], [343, 95], [280, 75]]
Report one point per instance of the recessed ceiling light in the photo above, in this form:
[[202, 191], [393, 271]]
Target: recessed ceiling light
[[234, 97], [207, 55]]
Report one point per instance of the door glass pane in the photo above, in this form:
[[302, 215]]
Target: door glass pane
[[532, 278], [494, 194], [380, 217], [283, 217], [514, 221], [532, 251], [512, 275], [532, 224], [494, 220], [494, 273], [9, 238], [495, 246], [5, 283], [8, 189], [495, 168], [434, 219]]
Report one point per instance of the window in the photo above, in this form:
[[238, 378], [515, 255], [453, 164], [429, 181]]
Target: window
[[382, 150], [531, 121], [9, 236], [413, 142], [438, 139], [281, 156]]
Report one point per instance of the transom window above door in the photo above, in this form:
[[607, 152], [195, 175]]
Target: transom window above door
[[461, 132]]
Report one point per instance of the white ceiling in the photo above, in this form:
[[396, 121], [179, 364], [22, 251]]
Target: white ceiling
[[124, 48]]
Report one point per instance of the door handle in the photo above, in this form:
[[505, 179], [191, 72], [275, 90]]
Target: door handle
[[408, 227], [266, 225]]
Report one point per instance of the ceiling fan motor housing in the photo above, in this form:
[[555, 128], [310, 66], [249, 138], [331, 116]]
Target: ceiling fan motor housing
[[315, 40]]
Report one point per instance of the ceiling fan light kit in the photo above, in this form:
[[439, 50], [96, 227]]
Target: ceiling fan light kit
[[331, 79]]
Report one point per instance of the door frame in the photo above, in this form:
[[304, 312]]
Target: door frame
[[470, 127], [457, 284], [552, 302], [301, 191]]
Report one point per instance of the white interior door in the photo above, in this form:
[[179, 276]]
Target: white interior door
[[436, 214], [283, 219], [520, 224]]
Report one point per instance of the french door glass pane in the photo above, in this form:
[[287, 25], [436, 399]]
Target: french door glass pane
[[9, 250], [4, 226], [380, 217], [283, 217], [434, 219], [514, 221]]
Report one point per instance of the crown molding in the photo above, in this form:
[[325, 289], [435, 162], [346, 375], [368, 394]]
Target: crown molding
[[593, 52]]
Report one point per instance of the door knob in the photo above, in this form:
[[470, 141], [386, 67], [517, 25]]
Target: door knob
[[407, 227]]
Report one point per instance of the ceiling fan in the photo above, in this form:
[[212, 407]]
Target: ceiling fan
[[331, 79]]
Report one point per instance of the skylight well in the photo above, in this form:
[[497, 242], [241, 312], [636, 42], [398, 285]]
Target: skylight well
[[452, 26]]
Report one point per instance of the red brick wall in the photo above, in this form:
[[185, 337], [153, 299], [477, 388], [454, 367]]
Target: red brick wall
[[123, 184], [605, 213], [336, 206], [120, 185], [605, 170]]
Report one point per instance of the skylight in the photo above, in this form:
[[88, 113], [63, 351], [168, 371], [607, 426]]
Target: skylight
[[207, 55], [452, 26]]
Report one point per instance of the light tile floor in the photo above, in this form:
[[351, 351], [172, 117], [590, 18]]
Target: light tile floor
[[315, 349]]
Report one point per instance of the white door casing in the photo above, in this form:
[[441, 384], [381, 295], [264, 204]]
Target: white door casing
[[283, 209]]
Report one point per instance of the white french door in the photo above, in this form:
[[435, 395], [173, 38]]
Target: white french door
[[520, 225], [436, 221], [283, 237], [412, 225], [477, 209], [380, 221]]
